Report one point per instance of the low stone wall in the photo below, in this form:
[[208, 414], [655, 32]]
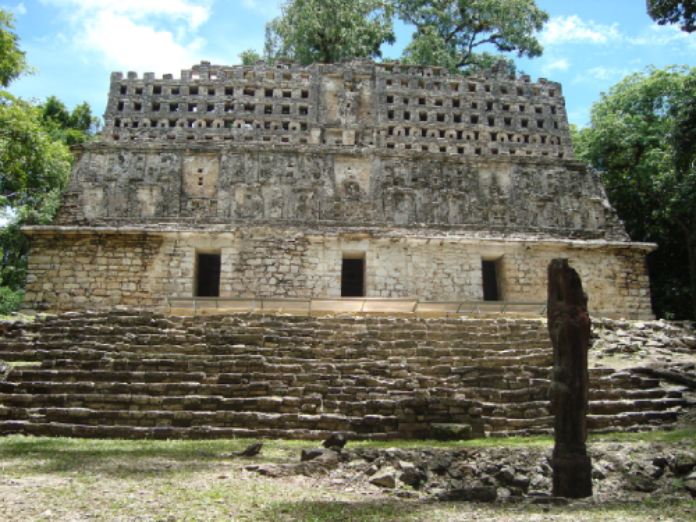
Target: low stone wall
[[72, 269]]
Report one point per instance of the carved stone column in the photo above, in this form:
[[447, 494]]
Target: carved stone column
[[569, 328]]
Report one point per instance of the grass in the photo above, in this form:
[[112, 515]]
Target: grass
[[18, 316], [687, 435], [23, 364], [60, 479]]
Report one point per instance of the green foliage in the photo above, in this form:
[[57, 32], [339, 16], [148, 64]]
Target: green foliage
[[328, 31], [35, 165], [69, 127], [451, 33], [642, 138], [682, 12], [9, 300], [12, 62], [249, 57]]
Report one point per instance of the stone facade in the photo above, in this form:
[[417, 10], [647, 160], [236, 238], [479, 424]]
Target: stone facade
[[118, 267], [285, 171]]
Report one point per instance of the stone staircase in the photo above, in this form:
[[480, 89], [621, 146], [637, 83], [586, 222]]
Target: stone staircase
[[139, 374]]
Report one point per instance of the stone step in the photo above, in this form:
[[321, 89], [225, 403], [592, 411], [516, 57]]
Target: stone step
[[245, 365], [134, 402], [496, 395], [56, 429], [623, 420], [403, 409], [526, 410], [632, 394], [141, 388], [170, 373], [234, 388], [425, 353], [231, 419], [19, 375], [504, 424], [611, 407]]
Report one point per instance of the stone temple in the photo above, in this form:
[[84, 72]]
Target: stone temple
[[289, 251], [328, 181]]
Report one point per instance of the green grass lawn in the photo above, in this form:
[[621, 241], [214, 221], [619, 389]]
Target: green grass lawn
[[68, 479]]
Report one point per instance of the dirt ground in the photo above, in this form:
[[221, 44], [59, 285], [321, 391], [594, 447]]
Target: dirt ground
[[68, 479]]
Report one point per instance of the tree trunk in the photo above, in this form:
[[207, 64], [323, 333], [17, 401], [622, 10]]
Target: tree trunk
[[691, 250]]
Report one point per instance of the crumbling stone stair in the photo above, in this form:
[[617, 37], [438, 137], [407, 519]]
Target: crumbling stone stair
[[140, 374]]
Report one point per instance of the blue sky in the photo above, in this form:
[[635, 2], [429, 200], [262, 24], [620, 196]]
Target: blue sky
[[73, 45]]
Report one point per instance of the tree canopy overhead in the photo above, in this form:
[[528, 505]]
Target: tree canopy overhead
[[643, 139], [682, 12], [12, 61], [328, 31], [453, 33]]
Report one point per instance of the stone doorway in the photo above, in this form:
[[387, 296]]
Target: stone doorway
[[207, 275], [353, 276]]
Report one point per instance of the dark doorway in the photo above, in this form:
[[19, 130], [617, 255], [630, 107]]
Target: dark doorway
[[491, 288], [208, 275], [353, 278]]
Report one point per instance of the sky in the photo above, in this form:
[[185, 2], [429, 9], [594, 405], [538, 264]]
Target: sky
[[74, 45]]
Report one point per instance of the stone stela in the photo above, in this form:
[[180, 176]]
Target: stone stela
[[569, 328]]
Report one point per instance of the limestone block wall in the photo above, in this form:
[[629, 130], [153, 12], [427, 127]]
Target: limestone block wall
[[81, 271], [91, 271], [615, 279], [140, 184]]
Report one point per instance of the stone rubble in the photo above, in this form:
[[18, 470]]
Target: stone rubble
[[620, 471]]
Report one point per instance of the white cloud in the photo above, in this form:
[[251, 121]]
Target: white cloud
[[663, 35], [17, 10], [193, 12], [573, 29], [125, 44], [266, 8], [603, 75], [559, 64], [144, 35]]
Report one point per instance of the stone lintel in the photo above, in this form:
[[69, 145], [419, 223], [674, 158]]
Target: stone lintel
[[347, 233]]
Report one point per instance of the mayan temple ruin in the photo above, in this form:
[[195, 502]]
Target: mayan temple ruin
[[289, 250], [361, 179]]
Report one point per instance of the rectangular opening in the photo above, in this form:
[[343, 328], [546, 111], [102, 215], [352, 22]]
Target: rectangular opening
[[353, 276], [207, 275], [490, 271]]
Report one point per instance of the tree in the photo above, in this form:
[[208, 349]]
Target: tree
[[329, 31], [70, 127], [642, 138], [34, 163], [682, 12], [249, 57], [35, 167], [12, 61], [451, 33]]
